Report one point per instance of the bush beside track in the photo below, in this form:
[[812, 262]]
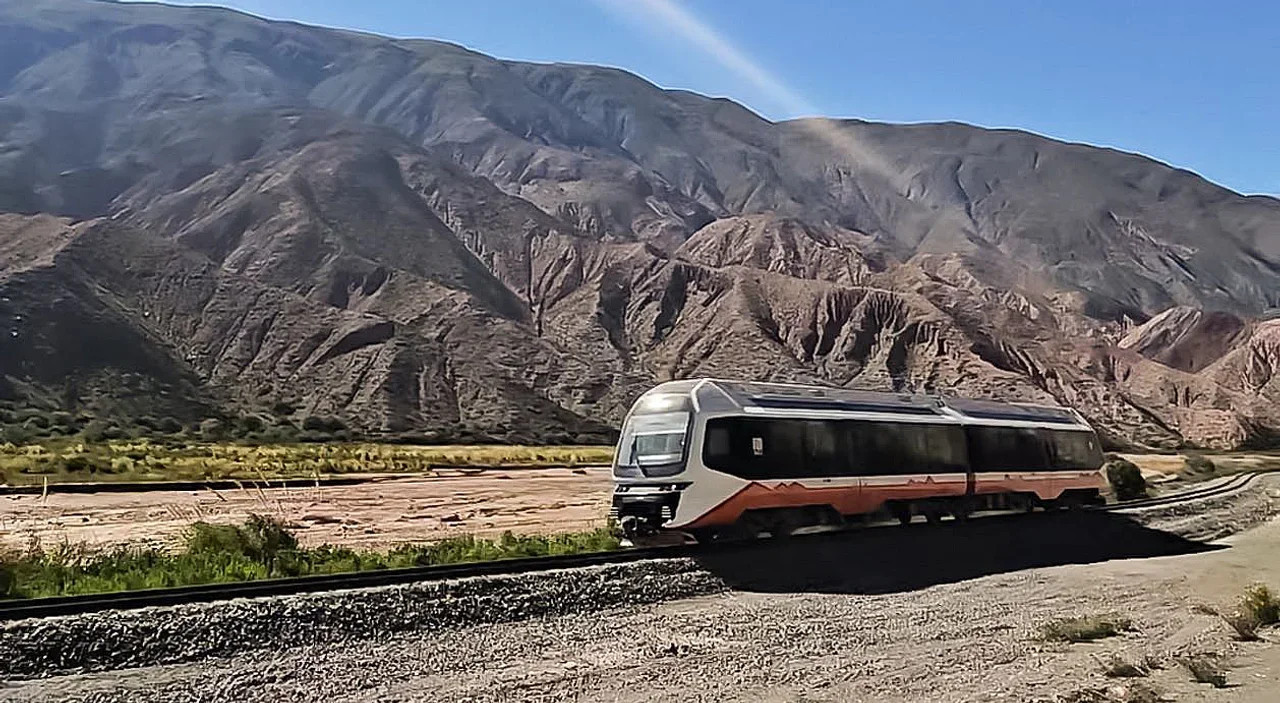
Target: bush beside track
[[261, 548]]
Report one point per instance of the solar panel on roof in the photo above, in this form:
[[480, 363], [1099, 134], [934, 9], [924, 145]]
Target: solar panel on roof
[[1001, 415], [800, 402], [1004, 411]]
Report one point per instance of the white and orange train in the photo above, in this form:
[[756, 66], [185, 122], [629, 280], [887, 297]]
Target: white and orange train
[[712, 458]]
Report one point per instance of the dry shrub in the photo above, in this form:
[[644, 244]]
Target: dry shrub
[[1133, 692], [1258, 607], [1205, 669], [1084, 629], [1198, 465], [1118, 668], [1259, 602]]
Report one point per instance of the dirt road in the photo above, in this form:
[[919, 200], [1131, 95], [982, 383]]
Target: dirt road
[[381, 513]]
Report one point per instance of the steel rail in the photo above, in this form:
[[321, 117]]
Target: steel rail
[[205, 593], [1228, 486]]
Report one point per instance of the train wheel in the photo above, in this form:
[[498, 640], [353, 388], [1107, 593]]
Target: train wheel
[[901, 511]]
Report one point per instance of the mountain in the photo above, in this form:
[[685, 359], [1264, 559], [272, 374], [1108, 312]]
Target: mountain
[[214, 213]]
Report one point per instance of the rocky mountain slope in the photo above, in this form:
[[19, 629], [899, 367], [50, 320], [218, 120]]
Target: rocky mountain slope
[[229, 213]]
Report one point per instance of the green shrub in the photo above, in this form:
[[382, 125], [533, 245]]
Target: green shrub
[[323, 424], [249, 424], [260, 539], [261, 547], [1126, 479], [283, 409], [15, 434], [79, 464], [101, 430], [213, 428]]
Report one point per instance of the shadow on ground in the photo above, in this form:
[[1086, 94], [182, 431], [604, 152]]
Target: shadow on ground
[[894, 559]]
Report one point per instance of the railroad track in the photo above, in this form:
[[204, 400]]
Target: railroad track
[[132, 600], [1226, 486]]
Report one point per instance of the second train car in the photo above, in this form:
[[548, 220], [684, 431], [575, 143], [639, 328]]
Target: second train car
[[714, 458]]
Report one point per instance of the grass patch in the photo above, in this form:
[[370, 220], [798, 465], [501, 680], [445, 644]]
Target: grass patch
[[258, 549], [1205, 670], [1084, 629], [149, 460]]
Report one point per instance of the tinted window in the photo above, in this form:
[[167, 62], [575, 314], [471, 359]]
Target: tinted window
[[825, 454], [775, 448], [717, 447], [1006, 449], [1074, 450], [886, 448], [762, 449]]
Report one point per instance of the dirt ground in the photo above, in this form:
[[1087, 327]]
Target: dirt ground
[[388, 511], [376, 514], [1162, 468], [888, 615]]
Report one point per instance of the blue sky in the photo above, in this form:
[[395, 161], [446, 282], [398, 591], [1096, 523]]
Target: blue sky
[[1191, 83]]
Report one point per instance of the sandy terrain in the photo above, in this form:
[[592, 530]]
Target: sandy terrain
[[1159, 468], [392, 510], [384, 512], [888, 615]]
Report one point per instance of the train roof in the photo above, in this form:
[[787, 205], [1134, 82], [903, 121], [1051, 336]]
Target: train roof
[[758, 397]]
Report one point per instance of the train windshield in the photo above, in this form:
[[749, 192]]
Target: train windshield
[[652, 442]]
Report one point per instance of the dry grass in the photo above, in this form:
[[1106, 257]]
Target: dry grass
[[1205, 669], [1257, 608], [1118, 668], [1133, 692], [1084, 629], [142, 460]]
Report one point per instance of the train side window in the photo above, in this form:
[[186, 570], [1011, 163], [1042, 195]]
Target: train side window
[[1074, 450], [874, 448], [947, 450], [823, 455], [1006, 449], [769, 449], [717, 448]]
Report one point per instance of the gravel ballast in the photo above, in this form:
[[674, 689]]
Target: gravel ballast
[[892, 625], [118, 639]]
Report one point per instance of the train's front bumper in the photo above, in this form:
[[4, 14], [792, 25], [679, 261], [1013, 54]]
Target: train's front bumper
[[641, 508]]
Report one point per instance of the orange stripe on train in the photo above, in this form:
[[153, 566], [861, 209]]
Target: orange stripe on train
[[854, 500]]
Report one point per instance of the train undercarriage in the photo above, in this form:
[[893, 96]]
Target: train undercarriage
[[642, 524]]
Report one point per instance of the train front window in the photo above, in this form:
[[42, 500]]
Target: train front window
[[657, 448], [653, 444]]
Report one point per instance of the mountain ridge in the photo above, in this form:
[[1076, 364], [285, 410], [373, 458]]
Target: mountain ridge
[[533, 244]]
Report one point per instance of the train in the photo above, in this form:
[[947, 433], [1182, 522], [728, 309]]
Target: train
[[712, 459]]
